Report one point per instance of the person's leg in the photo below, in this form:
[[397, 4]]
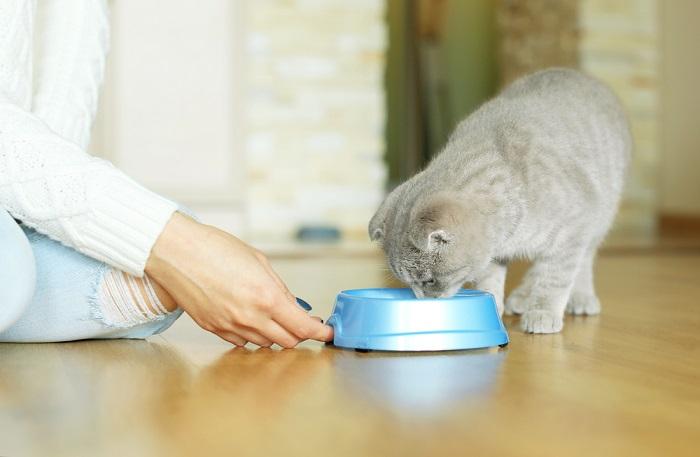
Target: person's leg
[[77, 297], [17, 272]]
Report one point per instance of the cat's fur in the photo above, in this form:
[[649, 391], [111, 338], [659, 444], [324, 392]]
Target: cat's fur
[[535, 173]]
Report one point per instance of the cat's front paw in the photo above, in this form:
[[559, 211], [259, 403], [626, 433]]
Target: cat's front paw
[[583, 304], [541, 321], [516, 303]]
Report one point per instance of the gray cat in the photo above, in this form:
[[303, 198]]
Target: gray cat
[[535, 173]]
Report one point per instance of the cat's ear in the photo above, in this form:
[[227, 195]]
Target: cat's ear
[[376, 224], [431, 240], [435, 222], [438, 239], [377, 234]]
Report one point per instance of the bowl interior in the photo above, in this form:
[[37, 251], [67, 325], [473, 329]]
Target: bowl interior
[[404, 294]]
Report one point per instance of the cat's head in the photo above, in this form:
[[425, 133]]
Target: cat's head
[[436, 244]]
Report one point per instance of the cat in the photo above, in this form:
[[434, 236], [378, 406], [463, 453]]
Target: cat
[[535, 173]]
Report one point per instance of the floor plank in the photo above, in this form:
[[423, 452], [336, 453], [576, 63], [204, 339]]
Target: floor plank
[[624, 383]]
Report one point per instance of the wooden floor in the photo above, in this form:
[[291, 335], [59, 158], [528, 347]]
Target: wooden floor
[[624, 383]]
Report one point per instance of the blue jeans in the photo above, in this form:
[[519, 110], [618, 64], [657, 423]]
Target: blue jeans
[[49, 292]]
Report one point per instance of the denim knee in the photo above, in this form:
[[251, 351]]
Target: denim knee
[[74, 299], [17, 271]]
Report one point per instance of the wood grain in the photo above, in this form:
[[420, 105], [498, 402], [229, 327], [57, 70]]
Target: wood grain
[[624, 383]]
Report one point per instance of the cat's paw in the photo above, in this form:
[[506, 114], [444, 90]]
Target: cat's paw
[[583, 304], [516, 303], [541, 321]]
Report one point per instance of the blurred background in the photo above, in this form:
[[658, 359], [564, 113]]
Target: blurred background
[[268, 116]]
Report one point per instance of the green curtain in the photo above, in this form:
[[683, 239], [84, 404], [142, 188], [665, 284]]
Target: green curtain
[[434, 82]]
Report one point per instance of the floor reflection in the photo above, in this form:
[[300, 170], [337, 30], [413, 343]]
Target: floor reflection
[[80, 396], [56, 398], [422, 385]]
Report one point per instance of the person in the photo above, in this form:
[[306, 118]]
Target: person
[[85, 251]]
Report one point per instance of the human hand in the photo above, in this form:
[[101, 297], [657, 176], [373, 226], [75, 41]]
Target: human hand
[[228, 287]]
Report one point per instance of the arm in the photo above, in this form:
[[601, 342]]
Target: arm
[[46, 179], [51, 184], [83, 202]]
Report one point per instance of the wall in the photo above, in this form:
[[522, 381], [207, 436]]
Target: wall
[[536, 34], [315, 114], [619, 44], [170, 114], [616, 41], [260, 115], [680, 135]]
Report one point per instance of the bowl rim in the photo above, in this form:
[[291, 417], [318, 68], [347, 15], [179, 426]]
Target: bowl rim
[[461, 294]]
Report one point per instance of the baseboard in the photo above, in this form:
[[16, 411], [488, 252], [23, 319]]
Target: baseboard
[[685, 225]]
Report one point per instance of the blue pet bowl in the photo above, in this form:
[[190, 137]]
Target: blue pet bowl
[[395, 320]]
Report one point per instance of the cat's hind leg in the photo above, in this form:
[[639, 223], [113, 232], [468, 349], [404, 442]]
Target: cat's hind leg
[[492, 281], [553, 278], [583, 299]]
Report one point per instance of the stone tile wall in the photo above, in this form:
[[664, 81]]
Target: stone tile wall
[[620, 45], [614, 40], [536, 34], [314, 114]]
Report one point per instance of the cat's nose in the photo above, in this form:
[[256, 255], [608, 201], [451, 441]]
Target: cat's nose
[[432, 294]]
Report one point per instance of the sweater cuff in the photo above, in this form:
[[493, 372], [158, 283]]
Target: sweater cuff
[[126, 221]]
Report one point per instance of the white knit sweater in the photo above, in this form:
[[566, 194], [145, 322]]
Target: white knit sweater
[[51, 65]]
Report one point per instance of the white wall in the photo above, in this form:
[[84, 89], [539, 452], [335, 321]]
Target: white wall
[[170, 115]]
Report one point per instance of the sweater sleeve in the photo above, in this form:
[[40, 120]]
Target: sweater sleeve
[[51, 184], [71, 41]]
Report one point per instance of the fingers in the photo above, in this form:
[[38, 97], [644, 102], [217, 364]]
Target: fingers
[[241, 337], [270, 333], [232, 338], [291, 317], [273, 331], [252, 336], [296, 321], [286, 325]]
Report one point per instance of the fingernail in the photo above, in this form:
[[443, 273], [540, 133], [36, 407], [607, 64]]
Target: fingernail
[[303, 304]]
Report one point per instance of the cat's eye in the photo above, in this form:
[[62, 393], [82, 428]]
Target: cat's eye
[[429, 282]]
